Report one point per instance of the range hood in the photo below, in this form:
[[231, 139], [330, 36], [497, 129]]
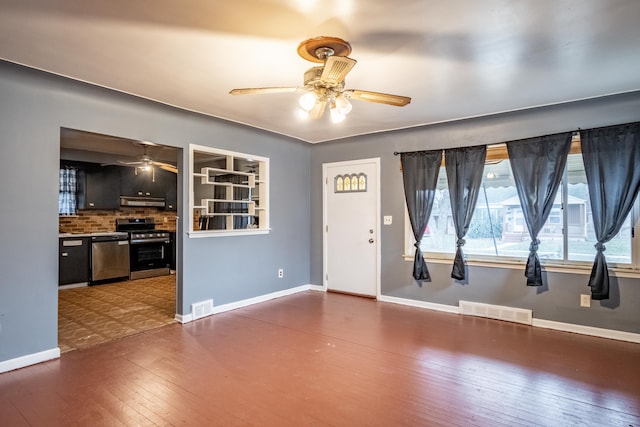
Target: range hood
[[147, 202]]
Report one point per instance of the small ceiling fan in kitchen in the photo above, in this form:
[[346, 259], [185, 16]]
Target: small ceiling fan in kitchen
[[145, 163], [325, 85]]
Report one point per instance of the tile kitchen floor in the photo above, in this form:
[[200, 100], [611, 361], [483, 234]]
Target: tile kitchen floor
[[94, 314]]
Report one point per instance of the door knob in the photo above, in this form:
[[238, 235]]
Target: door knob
[[370, 240]]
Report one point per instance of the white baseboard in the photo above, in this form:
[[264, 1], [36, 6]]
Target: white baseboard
[[29, 359], [420, 304], [539, 323], [186, 318], [587, 330]]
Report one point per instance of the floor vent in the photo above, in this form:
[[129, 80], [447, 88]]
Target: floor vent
[[202, 309], [510, 314]]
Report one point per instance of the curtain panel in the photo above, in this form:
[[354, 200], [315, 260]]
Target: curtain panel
[[465, 167], [420, 176], [611, 159], [537, 165], [67, 188]]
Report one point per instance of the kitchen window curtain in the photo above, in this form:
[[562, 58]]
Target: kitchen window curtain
[[611, 159], [464, 174], [537, 165], [67, 187], [420, 176]]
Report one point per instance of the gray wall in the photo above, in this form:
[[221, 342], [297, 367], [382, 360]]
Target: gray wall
[[33, 108], [560, 302]]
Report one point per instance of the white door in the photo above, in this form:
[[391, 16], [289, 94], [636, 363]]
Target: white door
[[351, 222]]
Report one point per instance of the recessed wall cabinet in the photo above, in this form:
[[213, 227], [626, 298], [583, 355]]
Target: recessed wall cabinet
[[229, 193]]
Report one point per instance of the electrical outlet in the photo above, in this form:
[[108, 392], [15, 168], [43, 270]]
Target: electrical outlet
[[387, 220], [585, 300], [280, 273]]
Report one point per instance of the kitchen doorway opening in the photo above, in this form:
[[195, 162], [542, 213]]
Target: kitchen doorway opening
[[106, 290]]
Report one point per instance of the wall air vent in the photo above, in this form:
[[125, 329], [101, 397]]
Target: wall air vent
[[509, 314], [202, 309]]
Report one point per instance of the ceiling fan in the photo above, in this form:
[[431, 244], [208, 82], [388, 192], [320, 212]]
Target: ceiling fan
[[325, 84], [146, 163]]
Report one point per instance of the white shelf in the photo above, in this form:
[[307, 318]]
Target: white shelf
[[223, 177], [218, 172]]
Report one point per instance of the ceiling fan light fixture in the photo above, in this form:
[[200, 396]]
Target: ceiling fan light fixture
[[343, 105], [325, 84], [336, 115], [308, 100]]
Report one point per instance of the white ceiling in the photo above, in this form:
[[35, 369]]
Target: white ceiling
[[454, 58]]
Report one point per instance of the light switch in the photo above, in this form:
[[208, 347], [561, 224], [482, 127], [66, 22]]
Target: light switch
[[388, 219]]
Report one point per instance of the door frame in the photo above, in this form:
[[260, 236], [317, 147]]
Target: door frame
[[325, 188]]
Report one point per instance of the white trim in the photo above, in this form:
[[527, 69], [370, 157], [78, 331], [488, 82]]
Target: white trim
[[29, 359], [325, 186], [264, 201], [538, 323], [183, 318], [420, 304], [195, 234], [186, 318], [587, 330]]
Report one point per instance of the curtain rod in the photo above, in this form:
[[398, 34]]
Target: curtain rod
[[395, 153]]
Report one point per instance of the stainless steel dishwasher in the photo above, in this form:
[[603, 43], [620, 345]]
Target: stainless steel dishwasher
[[109, 256]]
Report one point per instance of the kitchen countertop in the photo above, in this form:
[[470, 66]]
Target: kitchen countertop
[[100, 233]]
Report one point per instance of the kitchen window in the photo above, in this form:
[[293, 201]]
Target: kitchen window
[[498, 233], [67, 189], [229, 193]]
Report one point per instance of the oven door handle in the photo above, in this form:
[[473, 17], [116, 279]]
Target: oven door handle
[[143, 241]]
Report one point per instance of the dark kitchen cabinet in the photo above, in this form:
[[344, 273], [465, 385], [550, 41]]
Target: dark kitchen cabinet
[[143, 183], [74, 260], [171, 183], [99, 187], [159, 183]]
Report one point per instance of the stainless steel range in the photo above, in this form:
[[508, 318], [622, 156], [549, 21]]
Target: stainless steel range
[[149, 249]]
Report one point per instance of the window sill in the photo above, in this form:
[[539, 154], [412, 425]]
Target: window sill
[[224, 233], [519, 265]]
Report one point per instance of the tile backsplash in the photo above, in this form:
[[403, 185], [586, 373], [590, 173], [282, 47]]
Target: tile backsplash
[[91, 221]]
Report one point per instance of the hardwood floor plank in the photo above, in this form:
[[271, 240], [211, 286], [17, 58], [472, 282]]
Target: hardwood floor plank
[[315, 359]]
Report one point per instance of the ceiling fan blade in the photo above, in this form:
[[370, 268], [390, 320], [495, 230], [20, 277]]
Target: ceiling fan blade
[[336, 69], [380, 98], [318, 109], [167, 167], [162, 164], [126, 163], [251, 90]]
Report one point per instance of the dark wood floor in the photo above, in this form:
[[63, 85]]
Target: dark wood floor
[[315, 359]]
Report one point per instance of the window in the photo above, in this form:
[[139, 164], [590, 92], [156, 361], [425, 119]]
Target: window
[[229, 193], [67, 188], [498, 231]]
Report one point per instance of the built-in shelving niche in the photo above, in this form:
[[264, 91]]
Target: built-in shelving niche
[[229, 193]]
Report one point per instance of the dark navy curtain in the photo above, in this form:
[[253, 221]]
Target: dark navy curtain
[[464, 174], [537, 165], [420, 176], [611, 159]]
